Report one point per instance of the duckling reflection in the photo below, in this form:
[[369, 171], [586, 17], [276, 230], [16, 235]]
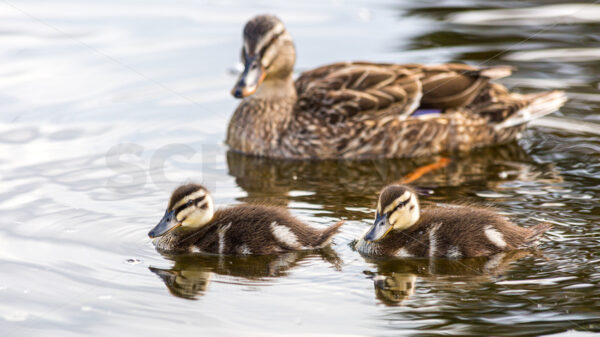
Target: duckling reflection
[[396, 279], [191, 275], [395, 288], [356, 183]]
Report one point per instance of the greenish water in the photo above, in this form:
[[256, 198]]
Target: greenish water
[[107, 106]]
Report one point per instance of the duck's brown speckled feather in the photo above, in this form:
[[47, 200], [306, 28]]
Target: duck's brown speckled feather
[[362, 110], [367, 110]]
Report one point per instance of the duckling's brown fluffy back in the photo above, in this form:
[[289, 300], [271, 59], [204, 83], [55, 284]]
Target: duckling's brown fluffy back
[[460, 231], [249, 229]]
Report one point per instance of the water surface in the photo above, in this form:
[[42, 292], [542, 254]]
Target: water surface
[[108, 105]]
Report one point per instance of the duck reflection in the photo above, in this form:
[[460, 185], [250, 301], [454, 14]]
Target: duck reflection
[[190, 275], [396, 279], [356, 183]]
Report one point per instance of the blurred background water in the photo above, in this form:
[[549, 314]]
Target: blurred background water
[[105, 106]]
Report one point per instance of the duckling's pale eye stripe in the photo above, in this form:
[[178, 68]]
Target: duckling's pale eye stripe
[[400, 200], [192, 196]]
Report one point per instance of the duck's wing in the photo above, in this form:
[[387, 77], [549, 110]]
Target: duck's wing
[[343, 92], [373, 110], [454, 85], [358, 91]]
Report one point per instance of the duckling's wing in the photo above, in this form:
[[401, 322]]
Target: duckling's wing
[[344, 92]]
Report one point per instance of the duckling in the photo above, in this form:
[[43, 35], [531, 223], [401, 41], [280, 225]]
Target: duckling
[[191, 226], [401, 229], [369, 110]]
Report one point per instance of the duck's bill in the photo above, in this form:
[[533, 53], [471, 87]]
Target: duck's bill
[[166, 224], [250, 79], [379, 229]]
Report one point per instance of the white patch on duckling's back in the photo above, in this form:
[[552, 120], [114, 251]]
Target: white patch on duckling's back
[[454, 252], [222, 231], [433, 240], [195, 249], [402, 252], [284, 235], [494, 236], [244, 249]]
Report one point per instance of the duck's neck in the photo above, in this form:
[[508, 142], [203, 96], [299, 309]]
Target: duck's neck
[[260, 120], [276, 89]]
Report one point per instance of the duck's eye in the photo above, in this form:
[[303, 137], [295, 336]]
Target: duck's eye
[[189, 202]]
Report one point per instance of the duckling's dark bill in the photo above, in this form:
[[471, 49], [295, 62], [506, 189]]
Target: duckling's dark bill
[[379, 229], [166, 224]]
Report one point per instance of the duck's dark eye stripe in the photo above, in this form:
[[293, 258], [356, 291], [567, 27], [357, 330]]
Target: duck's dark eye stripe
[[266, 46]]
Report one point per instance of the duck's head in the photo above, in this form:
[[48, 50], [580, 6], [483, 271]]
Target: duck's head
[[397, 209], [268, 55], [191, 206]]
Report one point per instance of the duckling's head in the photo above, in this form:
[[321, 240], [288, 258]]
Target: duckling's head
[[397, 209], [191, 206], [268, 55]]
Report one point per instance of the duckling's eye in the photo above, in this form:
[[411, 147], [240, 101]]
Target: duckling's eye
[[189, 202]]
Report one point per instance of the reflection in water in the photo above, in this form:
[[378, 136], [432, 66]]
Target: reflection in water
[[395, 288], [190, 275], [396, 279], [350, 182]]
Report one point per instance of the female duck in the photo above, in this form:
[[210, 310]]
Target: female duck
[[401, 229], [362, 110], [190, 226]]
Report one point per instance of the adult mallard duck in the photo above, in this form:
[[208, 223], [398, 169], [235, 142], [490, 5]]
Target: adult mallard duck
[[402, 229], [190, 225], [366, 110]]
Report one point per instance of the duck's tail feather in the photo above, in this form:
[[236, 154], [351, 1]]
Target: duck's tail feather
[[538, 105], [535, 233], [327, 234]]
